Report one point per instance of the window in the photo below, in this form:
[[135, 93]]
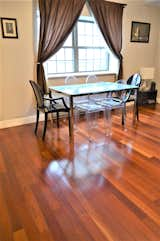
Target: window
[[92, 52], [63, 60], [85, 50]]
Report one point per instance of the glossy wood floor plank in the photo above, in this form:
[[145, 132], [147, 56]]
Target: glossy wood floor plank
[[60, 190]]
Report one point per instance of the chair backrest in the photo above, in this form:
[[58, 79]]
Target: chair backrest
[[121, 81], [91, 79], [135, 79], [38, 93], [125, 95], [69, 80]]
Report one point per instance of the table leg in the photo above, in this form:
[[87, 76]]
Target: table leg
[[137, 107], [71, 116], [135, 114]]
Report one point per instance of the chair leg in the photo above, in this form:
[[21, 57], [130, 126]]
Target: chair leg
[[137, 112], [57, 119], [108, 121], [123, 115], [69, 120], [45, 125], [37, 120], [89, 125]]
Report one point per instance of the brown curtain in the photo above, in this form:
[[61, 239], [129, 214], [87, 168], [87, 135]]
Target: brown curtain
[[57, 18], [109, 18]]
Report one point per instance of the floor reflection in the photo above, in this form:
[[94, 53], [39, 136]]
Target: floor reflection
[[78, 159], [81, 161]]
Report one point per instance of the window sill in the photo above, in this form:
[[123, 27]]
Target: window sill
[[80, 74]]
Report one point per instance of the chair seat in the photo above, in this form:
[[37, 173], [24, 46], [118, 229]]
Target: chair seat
[[53, 108], [111, 103], [90, 107], [77, 100], [131, 98]]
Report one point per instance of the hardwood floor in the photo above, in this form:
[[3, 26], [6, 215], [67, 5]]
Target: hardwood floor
[[105, 190]]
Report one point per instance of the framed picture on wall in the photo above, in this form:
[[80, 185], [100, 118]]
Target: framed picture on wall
[[9, 28], [140, 32]]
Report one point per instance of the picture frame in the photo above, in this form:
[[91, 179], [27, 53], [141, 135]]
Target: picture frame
[[9, 28], [140, 32]]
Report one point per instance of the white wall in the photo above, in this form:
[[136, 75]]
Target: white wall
[[157, 74], [16, 61], [137, 55], [1, 78]]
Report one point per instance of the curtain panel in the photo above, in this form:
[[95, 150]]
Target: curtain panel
[[57, 19], [109, 18]]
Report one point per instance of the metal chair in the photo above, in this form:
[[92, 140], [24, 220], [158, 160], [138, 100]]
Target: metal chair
[[48, 105], [136, 80]]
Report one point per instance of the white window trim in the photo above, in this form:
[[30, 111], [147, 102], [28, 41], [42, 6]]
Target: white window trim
[[80, 74]]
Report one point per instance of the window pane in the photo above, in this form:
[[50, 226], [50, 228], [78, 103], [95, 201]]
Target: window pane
[[82, 54], [103, 54], [51, 67], [102, 42], [89, 28], [91, 59], [89, 41], [96, 42], [104, 64], [90, 54], [69, 66], [85, 35], [68, 42], [60, 67], [97, 53], [53, 57], [82, 40], [81, 28], [68, 54], [90, 65], [96, 30], [82, 66], [97, 66], [60, 54]]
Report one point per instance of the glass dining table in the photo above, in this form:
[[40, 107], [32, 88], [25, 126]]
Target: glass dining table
[[78, 90]]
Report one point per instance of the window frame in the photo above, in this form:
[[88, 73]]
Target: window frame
[[75, 47]]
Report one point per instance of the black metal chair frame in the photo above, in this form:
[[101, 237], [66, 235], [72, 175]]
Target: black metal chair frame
[[47, 109], [133, 81]]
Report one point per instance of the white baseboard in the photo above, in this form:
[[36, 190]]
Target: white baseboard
[[19, 121], [23, 121], [158, 100]]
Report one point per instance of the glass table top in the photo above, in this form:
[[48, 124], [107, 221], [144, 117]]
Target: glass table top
[[91, 88]]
